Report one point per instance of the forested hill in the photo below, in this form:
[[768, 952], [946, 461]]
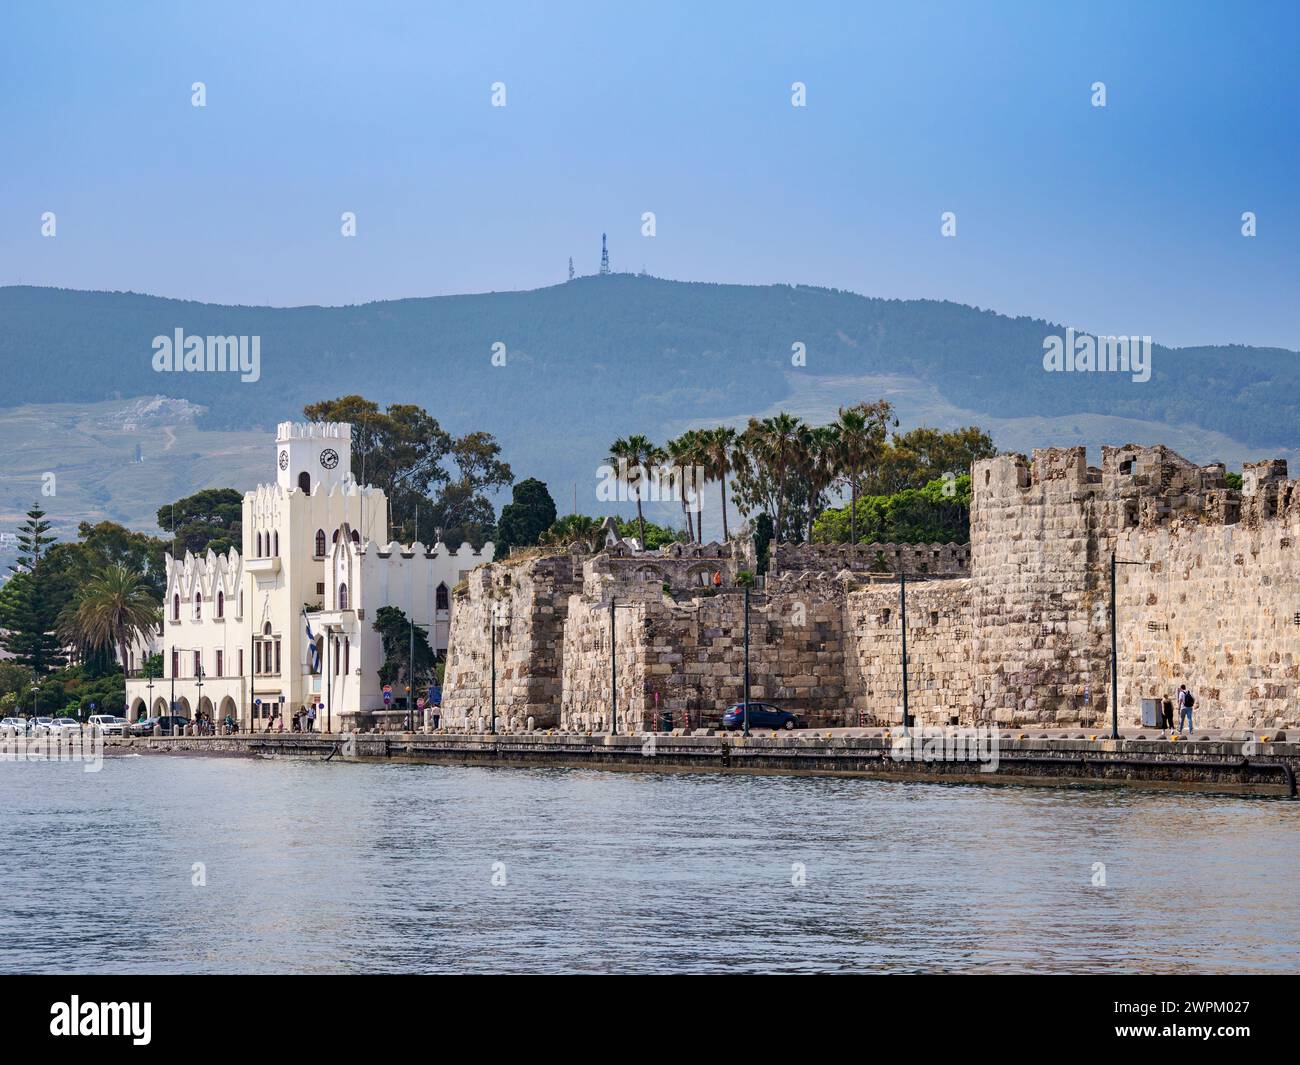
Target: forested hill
[[603, 356]]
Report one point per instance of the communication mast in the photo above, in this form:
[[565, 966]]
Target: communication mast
[[604, 256], [570, 267]]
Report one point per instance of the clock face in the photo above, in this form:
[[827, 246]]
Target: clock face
[[284, 460], [329, 458]]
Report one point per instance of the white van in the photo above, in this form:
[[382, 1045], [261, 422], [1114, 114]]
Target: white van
[[107, 724]]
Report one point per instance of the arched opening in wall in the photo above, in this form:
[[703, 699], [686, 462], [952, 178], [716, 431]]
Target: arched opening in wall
[[205, 707], [183, 707], [227, 709], [441, 599], [275, 543], [304, 482], [320, 654], [198, 606], [343, 596], [356, 537], [221, 604], [336, 536], [176, 607], [159, 707], [320, 543], [347, 655], [138, 709], [334, 653], [258, 553]]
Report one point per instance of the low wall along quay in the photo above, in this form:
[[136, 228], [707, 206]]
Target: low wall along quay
[[1265, 765]]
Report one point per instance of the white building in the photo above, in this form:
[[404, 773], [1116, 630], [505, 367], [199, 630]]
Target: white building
[[235, 626]]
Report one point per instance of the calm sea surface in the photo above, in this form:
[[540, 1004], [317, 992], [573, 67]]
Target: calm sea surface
[[314, 867]]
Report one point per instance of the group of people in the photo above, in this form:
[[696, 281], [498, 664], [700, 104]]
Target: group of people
[[302, 720], [1185, 701]]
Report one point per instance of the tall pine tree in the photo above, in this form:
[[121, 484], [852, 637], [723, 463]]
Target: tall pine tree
[[28, 610]]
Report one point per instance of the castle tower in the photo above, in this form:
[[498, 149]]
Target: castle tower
[[313, 453]]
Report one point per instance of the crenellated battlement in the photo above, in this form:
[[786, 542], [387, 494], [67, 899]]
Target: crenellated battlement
[[287, 431], [1136, 487]]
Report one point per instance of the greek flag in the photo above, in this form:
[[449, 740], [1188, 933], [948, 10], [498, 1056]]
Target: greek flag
[[311, 644]]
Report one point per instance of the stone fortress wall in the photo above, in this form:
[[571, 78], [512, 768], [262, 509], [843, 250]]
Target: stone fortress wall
[[1012, 629]]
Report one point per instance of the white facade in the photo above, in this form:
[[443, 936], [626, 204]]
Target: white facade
[[238, 623]]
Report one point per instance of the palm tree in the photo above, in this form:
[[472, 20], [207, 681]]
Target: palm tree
[[678, 451], [573, 527], [776, 444], [718, 457], [819, 465], [112, 610], [862, 432], [632, 457]]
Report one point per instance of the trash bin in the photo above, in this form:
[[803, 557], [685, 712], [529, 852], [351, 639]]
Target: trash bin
[[1150, 713]]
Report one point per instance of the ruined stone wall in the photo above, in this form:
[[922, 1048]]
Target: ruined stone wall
[[1038, 618], [684, 654], [1215, 608], [935, 560], [530, 600], [1023, 640], [938, 653], [1220, 584]]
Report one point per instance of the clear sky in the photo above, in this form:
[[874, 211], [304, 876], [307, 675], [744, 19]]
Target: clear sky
[[1124, 219]]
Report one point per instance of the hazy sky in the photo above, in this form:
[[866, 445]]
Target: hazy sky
[[1124, 219]]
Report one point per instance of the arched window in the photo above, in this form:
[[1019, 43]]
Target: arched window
[[336, 536], [441, 598], [221, 604], [347, 654], [356, 537], [198, 606], [304, 481], [320, 654], [320, 543], [259, 546], [176, 607], [336, 655], [276, 549], [343, 597]]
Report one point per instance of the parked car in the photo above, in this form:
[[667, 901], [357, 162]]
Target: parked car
[[14, 725], [65, 724], [761, 715], [108, 724], [40, 726], [171, 726]]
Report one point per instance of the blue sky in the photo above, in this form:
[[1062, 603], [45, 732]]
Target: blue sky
[[1123, 219]]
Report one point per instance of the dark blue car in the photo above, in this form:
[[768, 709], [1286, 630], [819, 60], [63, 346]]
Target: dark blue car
[[761, 715]]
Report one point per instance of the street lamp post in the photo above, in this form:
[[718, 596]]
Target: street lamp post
[[902, 618], [492, 623], [746, 732], [613, 673]]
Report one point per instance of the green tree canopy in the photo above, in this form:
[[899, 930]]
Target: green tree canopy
[[937, 513], [212, 518], [530, 512]]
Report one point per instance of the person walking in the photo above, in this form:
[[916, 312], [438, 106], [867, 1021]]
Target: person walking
[[1166, 715], [311, 718], [1186, 700]]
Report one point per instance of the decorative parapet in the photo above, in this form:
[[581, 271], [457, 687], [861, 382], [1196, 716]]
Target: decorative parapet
[[286, 431]]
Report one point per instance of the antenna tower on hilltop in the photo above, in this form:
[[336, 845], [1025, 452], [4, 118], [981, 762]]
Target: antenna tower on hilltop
[[604, 256], [570, 267]]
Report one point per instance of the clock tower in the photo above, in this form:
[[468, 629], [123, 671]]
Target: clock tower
[[313, 453]]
